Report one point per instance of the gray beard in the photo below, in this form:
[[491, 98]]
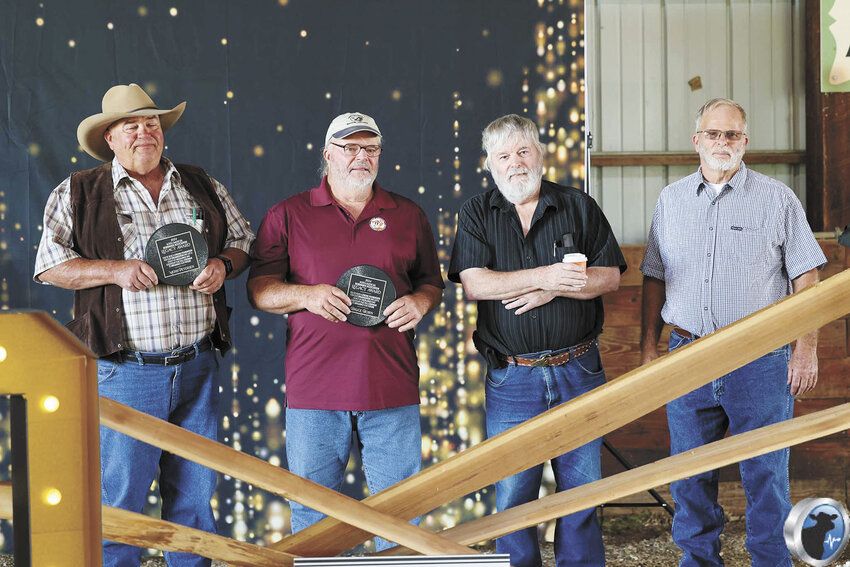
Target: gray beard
[[719, 164]]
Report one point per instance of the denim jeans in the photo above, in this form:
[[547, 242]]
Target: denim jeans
[[516, 394], [318, 445], [185, 395], [753, 396]]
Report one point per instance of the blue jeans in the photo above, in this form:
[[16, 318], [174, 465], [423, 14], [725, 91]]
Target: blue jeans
[[185, 395], [753, 396], [318, 445], [516, 394]]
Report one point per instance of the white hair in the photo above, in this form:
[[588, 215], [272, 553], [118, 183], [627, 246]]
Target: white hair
[[506, 127], [716, 103]]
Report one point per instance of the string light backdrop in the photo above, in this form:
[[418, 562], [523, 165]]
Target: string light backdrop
[[263, 79]]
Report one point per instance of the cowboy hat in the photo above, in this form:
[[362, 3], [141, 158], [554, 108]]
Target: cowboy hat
[[121, 101]]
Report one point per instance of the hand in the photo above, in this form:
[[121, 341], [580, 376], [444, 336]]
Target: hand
[[803, 370], [327, 301], [405, 312], [134, 275], [528, 301], [562, 276], [211, 279]]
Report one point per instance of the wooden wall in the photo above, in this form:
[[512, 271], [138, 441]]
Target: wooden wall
[[819, 468]]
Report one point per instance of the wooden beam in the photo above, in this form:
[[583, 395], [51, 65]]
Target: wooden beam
[[827, 138], [143, 531], [592, 415], [608, 159], [708, 457], [250, 469]]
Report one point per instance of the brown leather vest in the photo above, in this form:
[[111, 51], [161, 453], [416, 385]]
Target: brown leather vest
[[97, 236]]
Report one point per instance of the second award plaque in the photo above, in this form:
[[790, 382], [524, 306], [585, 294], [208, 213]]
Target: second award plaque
[[371, 290]]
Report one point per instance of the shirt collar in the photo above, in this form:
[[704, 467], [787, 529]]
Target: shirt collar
[[119, 173], [321, 196], [736, 182], [545, 199]]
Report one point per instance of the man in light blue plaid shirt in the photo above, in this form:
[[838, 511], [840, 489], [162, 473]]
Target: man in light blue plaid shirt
[[725, 242]]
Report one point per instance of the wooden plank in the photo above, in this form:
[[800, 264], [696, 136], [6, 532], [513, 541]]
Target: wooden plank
[[832, 340], [827, 135], [633, 253], [836, 257], [140, 530], [705, 458], [596, 413], [821, 458], [618, 159], [833, 379], [250, 469], [143, 531], [622, 307]]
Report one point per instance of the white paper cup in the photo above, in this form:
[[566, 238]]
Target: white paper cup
[[578, 259]]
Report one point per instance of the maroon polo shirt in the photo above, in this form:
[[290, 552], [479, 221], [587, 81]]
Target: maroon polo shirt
[[309, 239]]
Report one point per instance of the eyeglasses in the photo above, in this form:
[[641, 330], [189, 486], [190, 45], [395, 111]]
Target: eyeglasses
[[354, 149], [731, 135]]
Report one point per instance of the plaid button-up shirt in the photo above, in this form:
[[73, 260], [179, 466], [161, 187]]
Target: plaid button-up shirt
[[725, 257], [163, 317]]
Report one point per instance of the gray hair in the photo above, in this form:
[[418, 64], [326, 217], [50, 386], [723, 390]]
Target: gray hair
[[716, 103], [506, 127], [323, 166]]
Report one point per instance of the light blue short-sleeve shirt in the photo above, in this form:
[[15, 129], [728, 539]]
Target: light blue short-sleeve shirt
[[724, 257]]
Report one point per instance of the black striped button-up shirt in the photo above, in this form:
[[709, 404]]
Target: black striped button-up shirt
[[489, 235]]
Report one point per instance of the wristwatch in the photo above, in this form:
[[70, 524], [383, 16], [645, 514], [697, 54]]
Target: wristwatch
[[228, 266]]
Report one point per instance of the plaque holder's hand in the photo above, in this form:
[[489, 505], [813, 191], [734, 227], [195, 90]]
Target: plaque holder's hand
[[134, 275], [211, 278], [327, 301]]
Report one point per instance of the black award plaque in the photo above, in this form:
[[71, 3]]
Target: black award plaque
[[177, 253], [371, 290]]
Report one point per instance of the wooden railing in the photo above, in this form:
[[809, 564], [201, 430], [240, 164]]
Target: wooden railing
[[557, 431]]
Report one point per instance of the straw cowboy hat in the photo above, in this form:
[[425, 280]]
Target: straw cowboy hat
[[121, 101]]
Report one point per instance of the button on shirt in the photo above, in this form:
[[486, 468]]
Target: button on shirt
[[725, 257], [163, 317], [309, 239], [489, 235]]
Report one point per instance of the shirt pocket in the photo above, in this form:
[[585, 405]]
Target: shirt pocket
[[745, 243], [194, 217], [130, 235]]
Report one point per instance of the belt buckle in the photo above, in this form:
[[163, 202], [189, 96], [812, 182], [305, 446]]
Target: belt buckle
[[172, 359], [542, 361]]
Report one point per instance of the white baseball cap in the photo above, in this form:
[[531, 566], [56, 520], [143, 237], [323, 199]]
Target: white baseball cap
[[348, 123]]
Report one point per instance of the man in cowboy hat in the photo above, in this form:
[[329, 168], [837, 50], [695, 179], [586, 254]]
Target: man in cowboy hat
[[345, 381], [156, 342]]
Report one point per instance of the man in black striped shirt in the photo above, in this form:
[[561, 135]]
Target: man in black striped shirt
[[538, 317]]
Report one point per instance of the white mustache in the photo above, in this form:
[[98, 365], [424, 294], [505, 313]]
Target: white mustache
[[518, 171]]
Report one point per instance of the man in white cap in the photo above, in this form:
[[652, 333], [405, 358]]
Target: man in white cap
[[156, 342], [342, 380]]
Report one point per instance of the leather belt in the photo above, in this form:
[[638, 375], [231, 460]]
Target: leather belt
[[683, 333], [175, 357], [551, 359]]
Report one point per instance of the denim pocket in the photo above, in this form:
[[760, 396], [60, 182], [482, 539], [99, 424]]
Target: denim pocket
[[497, 377], [105, 371], [590, 362]]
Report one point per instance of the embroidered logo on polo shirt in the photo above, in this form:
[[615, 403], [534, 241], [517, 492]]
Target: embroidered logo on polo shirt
[[377, 224]]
